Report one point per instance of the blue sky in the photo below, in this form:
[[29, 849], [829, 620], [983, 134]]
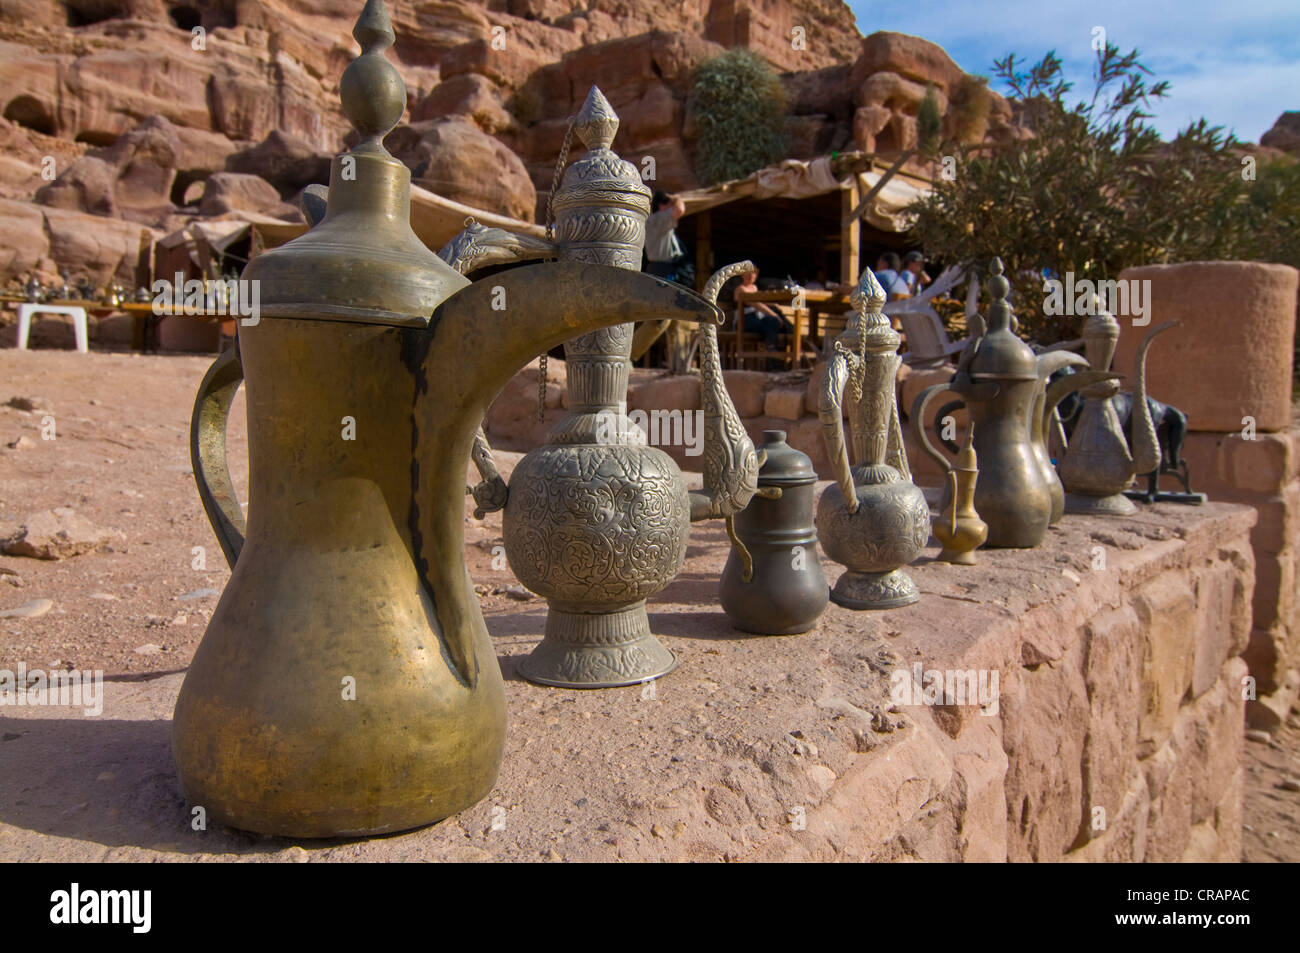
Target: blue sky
[[1237, 64]]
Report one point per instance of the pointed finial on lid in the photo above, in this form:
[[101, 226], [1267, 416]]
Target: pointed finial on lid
[[869, 292], [597, 122], [373, 94], [999, 287]]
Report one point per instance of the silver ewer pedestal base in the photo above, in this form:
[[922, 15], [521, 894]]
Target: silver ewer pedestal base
[[597, 650], [1117, 504], [874, 590]]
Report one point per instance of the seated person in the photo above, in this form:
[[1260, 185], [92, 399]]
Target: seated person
[[889, 269], [760, 318]]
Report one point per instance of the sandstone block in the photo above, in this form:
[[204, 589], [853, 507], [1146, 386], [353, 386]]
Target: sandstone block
[[784, 403], [1218, 379], [1113, 666], [1166, 609], [671, 392], [1223, 619], [1263, 464], [1275, 582], [1265, 655], [1044, 727], [747, 389]]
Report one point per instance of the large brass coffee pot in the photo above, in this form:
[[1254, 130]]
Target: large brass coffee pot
[[346, 683], [1002, 384]]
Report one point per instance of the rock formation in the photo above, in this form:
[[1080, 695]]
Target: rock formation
[[151, 112]]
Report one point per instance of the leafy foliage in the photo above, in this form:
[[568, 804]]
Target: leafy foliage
[[1091, 188], [737, 105]]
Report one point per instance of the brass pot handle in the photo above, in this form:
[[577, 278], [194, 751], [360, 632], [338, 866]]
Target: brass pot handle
[[917, 420], [208, 451]]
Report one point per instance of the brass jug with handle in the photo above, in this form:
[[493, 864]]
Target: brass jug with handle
[[999, 379], [346, 684]]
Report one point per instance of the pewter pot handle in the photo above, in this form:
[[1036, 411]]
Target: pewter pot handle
[[208, 451]]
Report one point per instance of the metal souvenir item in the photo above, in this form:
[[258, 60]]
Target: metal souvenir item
[[1098, 465], [958, 527], [596, 521], [873, 519], [346, 684], [773, 583], [998, 379]]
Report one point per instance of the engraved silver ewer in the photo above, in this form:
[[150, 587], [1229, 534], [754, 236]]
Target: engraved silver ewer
[[595, 520], [873, 519]]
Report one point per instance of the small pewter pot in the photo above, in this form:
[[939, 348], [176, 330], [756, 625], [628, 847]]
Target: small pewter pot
[[773, 582]]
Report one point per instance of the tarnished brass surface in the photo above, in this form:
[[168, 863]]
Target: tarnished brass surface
[[874, 519], [346, 684], [959, 528], [999, 380], [1098, 466], [596, 521]]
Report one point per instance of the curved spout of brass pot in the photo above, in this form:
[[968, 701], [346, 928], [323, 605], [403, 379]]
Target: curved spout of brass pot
[[730, 462], [478, 246], [1146, 443], [470, 350], [1049, 362]]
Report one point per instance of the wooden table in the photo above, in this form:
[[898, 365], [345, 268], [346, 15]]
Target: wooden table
[[780, 296]]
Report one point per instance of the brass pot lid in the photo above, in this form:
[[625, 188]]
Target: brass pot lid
[[361, 262]]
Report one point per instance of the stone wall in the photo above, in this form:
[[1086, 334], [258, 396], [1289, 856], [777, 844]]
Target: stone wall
[[1229, 367], [1114, 733]]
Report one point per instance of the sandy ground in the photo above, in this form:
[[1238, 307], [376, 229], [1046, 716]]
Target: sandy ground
[[138, 608]]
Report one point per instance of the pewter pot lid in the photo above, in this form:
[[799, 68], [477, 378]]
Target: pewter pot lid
[[784, 466]]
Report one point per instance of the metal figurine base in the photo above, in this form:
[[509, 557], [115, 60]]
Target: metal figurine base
[[1167, 496], [597, 650], [875, 590], [1114, 505]]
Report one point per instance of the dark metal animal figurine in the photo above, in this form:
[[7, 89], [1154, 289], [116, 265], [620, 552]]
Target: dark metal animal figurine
[[1171, 430]]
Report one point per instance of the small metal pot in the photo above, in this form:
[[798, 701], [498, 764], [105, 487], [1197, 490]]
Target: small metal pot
[[773, 582]]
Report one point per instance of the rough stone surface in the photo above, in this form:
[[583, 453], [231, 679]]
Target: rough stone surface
[[56, 534]]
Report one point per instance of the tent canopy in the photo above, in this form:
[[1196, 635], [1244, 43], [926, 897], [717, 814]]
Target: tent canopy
[[800, 179]]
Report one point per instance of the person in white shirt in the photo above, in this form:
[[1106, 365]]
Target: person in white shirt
[[888, 273], [914, 272], [662, 248]]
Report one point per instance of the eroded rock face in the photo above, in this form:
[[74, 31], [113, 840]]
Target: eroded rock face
[[454, 158], [1285, 134], [130, 179], [251, 88]]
